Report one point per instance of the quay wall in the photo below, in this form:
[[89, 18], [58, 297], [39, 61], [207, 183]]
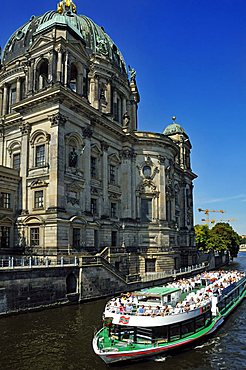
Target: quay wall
[[38, 287]]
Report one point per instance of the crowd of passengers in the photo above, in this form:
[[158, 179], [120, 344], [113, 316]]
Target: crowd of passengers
[[198, 295]]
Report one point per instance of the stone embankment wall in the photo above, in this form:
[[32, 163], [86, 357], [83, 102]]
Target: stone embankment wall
[[24, 289]]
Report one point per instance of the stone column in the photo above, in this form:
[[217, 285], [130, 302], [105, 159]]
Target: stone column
[[133, 190], [87, 134], [26, 81], [18, 89], [108, 97], [31, 83], [162, 196], [25, 129], [126, 183], [50, 71], [1, 142], [59, 66], [124, 108], [91, 90], [105, 208], [66, 70], [56, 201], [79, 83], [96, 93], [1, 102], [5, 99]]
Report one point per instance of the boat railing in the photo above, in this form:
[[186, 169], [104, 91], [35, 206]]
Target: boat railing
[[204, 305], [148, 276]]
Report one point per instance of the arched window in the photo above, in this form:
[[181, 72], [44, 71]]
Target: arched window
[[73, 78], [39, 143], [42, 74], [117, 109]]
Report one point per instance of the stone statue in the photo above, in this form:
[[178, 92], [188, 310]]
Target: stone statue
[[132, 74], [73, 158], [126, 119]]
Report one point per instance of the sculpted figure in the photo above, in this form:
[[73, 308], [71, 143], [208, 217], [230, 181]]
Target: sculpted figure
[[126, 119], [73, 158], [132, 74]]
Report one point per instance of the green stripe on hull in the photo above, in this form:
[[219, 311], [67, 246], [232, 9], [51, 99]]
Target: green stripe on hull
[[123, 347]]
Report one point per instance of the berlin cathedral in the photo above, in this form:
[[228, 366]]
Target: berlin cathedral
[[76, 174]]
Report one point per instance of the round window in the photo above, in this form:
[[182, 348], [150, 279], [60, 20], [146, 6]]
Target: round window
[[147, 171]]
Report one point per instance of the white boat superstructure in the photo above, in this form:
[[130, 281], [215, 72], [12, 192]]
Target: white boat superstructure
[[159, 320]]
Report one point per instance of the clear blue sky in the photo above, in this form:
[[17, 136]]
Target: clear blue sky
[[190, 58]]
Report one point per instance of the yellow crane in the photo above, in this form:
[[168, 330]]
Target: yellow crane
[[213, 221], [208, 211]]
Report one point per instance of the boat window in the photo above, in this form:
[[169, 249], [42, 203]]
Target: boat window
[[174, 332], [160, 333], [187, 328], [145, 333], [199, 322]]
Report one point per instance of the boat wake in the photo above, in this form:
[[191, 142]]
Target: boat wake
[[160, 359], [207, 344]]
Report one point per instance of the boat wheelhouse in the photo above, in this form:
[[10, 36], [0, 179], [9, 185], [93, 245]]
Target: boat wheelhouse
[[159, 320]]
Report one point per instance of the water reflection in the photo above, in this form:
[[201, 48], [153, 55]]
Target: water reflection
[[60, 339]]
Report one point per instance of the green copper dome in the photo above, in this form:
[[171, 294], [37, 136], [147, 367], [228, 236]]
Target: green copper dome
[[174, 128], [93, 36]]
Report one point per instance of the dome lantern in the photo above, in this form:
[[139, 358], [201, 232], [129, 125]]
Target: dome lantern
[[174, 128], [66, 7]]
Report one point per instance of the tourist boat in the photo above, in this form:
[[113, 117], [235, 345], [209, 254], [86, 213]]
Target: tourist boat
[[160, 320]]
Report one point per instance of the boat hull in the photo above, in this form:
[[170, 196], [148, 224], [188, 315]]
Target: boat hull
[[130, 355]]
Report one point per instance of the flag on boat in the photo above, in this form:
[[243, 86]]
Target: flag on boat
[[124, 320]]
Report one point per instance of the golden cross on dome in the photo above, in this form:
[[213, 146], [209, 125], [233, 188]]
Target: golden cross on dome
[[65, 6]]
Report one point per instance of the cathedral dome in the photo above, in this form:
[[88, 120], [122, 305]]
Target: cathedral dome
[[174, 128], [93, 36]]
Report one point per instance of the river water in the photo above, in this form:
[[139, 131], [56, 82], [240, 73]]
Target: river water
[[60, 339]]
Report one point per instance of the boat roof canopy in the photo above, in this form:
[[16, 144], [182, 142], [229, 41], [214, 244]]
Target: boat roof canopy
[[156, 291]]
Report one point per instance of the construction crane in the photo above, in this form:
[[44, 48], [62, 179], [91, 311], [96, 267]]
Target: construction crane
[[207, 211], [213, 221]]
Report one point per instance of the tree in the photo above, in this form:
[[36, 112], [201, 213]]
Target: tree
[[220, 238], [202, 235]]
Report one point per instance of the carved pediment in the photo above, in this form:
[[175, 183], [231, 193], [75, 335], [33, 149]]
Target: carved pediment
[[96, 150], [114, 158], [79, 47], [147, 186], [39, 42], [38, 183]]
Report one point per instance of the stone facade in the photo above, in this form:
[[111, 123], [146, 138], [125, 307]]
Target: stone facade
[[9, 204], [89, 178]]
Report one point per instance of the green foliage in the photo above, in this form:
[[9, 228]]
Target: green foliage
[[202, 234], [221, 237]]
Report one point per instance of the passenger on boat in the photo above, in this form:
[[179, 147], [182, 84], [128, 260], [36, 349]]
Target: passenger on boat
[[177, 310], [164, 310], [128, 307], [156, 311], [121, 308], [148, 311], [141, 310], [186, 307]]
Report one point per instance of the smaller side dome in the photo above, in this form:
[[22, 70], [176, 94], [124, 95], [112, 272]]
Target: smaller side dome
[[174, 128]]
